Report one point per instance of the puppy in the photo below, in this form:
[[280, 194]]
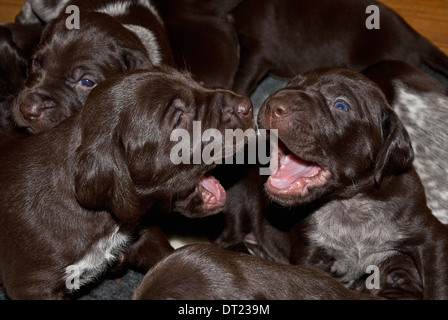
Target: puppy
[[16, 42], [421, 102], [203, 39], [13, 73], [113, 37], [206, 272], [344, 162], [286, 37], [77, 193]]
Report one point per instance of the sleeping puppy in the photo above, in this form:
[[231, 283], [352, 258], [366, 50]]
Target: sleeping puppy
[[421, 102], [113, 37], [76, 194], [286, 37], [206, 272], [344, 162]]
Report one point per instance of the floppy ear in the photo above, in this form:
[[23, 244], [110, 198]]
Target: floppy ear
[[102, 179], [396, 153], [134, 58]]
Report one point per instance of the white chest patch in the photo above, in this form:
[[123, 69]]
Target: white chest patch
[[96, 260], [357, 233]]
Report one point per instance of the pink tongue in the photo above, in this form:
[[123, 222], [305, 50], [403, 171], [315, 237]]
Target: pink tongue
[[292, 168], [212, 185]]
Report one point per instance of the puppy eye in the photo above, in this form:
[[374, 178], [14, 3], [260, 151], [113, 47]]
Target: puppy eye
[[342, 105], [35, 64], [87, 83], [179, 120]]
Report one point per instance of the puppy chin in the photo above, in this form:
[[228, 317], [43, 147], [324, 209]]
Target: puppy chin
[[292, 199]]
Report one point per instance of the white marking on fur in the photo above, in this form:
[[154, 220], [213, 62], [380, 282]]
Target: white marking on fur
[[121, 8], [424, 116], [149, 40], [31, 8], [149, 5], [358, 232], [96, 260], [178, 241], [115, 9]]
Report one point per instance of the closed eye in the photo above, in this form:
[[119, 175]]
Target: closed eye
[[341, 105], [179, 120]]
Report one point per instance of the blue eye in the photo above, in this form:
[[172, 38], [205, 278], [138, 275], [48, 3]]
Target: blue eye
[[341, 105], [36, 63], [87, 83]]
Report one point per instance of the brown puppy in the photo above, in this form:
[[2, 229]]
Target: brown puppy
[[421, 102], [113, 37], [16, 42], [286, 37], [206, 272], [72, 197], [203, 39], [345, 165]]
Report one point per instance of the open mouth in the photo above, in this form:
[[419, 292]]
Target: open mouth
[[212, 192], [293, 176]]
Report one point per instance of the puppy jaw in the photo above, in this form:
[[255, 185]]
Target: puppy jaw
[[212, 192], [294, 176], [209, 196], [300, 173], [39, 115]]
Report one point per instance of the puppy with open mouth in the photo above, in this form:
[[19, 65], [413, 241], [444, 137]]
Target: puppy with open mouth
[[344, 163], [77, 194]]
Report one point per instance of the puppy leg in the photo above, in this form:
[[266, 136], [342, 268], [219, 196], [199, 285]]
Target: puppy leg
[[150, 247], [253, 68]]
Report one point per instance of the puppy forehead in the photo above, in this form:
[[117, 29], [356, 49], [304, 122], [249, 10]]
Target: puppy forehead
[[328, 83]]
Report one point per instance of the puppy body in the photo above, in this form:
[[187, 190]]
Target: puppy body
[[203, 38], [206, 272], [287, 37], [119, 36], [421, 103], [345, 163], [77, 200]]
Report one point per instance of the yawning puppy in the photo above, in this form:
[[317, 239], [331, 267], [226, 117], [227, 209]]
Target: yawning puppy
[[113, 37], [344, 162], [72, 197]]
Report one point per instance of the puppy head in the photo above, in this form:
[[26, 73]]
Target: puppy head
[[68, 63], [125, 161], [336, 133], [13, 69]]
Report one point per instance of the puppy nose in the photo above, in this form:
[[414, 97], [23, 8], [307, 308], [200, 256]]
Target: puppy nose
[[31, 109], [278, 108], [244, 108]]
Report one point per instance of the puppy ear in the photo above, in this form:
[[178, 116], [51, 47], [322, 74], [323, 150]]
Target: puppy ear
[[396, 153], [102, 180], [134, 58]]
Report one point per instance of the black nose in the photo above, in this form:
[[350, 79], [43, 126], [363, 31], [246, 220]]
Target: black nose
[[278, 108]]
